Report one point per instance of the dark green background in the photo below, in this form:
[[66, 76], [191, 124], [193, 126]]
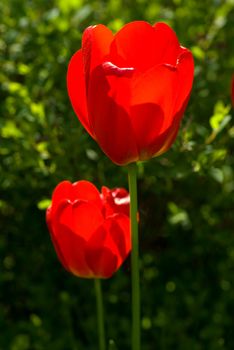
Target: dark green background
[[186, 197]]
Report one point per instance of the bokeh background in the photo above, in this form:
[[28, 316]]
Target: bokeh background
[[186, 197]]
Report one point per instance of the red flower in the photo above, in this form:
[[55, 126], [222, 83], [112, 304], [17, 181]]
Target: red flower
[[130, 90], [232, 90], [90, 231]]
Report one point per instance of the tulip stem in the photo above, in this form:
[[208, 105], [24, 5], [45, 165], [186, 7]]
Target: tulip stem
[[136, 325], [100, 314]]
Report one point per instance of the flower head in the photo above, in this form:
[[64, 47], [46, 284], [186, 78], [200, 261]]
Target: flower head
[[130, 90], [90, 230]]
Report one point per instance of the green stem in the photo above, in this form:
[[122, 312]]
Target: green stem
[[100, 314], [136, 324]]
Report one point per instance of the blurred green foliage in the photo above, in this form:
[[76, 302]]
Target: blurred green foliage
[[186, 197]]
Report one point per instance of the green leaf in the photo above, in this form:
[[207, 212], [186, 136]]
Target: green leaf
[[44, 204], [220, 118], [10, 130]]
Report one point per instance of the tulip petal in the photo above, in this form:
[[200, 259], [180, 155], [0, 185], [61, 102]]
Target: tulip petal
[[72, 248], [77, 90], [85, 190], [96, 42], [134, 44], [61, 191], [101, 238], [120, 233], [102, 262], [82, 190], [101, 253], [151, 107], [49, 217], [185, 72], [152, 110], [109, 118], [49, 222], [82, 218], [185, 68], [168, 45], [147, 120], [142, 46], [116, 201], [73, 225], [165, 140], [109, 245], [157, 86]]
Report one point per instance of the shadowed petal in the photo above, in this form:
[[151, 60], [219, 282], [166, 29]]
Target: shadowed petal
[[72, 248], [158, 96], [165, 140], [110, 242], [120, 233], [109, 118], [152, 103], [101, 253], [102, 262], [147, 119]]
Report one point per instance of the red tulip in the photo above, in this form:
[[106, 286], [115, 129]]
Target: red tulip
[[90, 231], [130, 90], [232, 90]]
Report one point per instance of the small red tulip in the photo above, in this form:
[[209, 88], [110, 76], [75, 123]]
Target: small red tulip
[[130, 90], [90, 230], [232, 90]]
